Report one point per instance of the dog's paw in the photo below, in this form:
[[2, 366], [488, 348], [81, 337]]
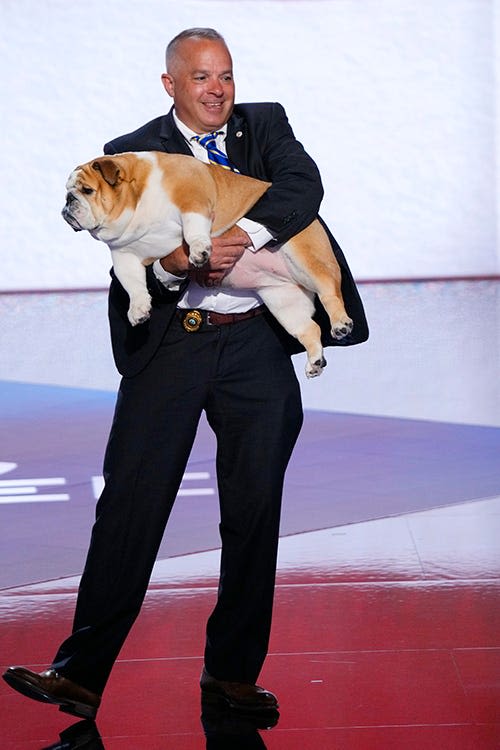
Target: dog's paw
[[199, 252], [313, 369], [342, 327], [139, 310]]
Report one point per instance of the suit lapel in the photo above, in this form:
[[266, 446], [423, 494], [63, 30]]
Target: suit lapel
[[237, 142], [237, 145], [173, 141], [171, 138]]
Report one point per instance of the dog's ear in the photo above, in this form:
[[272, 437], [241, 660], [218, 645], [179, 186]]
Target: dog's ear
[[109, 170]]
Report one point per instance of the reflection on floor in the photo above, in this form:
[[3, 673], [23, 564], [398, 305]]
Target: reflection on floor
[[385, 636], [386, 632]]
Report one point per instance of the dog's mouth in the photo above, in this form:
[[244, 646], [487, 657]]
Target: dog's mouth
[[72, 221]]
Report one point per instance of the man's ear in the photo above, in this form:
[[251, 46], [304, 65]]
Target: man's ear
[[168, 83]]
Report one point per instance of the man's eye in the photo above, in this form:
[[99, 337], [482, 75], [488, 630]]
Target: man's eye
[[87, 190]]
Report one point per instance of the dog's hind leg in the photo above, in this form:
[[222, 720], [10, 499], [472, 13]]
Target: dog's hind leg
[[312, 263], [341, 323], [293, 307]]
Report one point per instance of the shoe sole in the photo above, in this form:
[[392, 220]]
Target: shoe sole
[[81, 710]]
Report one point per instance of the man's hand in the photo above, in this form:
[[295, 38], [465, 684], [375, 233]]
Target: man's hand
[[177, 262], [226, 251]]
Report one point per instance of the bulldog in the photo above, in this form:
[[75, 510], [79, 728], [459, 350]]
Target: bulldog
[[143, 204]]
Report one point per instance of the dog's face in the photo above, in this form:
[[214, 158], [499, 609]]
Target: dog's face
[[99, 192], [89, 194]]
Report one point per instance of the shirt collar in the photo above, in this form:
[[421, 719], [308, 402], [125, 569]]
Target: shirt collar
[[190, 134]]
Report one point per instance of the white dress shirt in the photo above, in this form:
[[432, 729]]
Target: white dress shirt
[[214, 298]]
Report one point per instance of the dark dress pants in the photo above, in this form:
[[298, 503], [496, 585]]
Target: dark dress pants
[[243, 379]]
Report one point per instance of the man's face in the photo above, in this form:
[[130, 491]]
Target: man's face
[[200, 81]]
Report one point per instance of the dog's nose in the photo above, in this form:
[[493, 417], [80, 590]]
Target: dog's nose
[[70, 198]]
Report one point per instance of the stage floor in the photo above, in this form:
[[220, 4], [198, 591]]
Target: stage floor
[[386, 630]]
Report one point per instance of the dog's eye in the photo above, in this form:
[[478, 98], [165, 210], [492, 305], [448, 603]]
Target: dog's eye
[[87, 190]]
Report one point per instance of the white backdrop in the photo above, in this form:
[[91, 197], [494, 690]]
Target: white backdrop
[[395, 99]]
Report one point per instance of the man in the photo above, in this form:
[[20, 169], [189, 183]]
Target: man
[[235, 366]]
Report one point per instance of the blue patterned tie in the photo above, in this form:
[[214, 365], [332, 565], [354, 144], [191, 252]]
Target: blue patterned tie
[[215, 155]]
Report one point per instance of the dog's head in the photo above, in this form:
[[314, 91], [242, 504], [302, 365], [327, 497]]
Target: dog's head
[[99, 192]]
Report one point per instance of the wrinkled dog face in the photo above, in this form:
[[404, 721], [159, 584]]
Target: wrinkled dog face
[[88, 195], [80, 201]]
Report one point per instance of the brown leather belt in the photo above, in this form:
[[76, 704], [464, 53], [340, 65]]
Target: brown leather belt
[[192, 320]]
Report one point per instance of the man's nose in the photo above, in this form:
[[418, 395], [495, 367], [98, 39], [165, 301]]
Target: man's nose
[[215, 87]]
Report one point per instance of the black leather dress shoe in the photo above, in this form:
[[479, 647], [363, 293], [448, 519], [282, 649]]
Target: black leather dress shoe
[[241, 696], [81, 736], [51, 687]]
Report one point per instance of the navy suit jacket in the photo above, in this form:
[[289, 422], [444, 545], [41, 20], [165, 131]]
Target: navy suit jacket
[[260, 143]]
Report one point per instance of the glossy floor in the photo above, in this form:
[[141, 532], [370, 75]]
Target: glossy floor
[[386, 632], [386, 635]]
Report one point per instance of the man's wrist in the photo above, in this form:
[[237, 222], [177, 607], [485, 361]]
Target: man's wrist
[[168, 279], [259, 235], [176, 262]]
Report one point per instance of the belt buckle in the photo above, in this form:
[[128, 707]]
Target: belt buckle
[[192, 321]]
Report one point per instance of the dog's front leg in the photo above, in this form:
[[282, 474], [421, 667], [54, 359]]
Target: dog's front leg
[[196, 229], [131, 274]]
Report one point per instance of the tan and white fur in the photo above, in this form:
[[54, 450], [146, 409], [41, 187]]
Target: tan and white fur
[[143, 204]]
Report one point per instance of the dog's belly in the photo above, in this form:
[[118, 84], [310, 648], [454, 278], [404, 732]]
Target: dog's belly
[[259, 269]]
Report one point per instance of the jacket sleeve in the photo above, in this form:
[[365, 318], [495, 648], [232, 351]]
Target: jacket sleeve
[[293, 201]]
